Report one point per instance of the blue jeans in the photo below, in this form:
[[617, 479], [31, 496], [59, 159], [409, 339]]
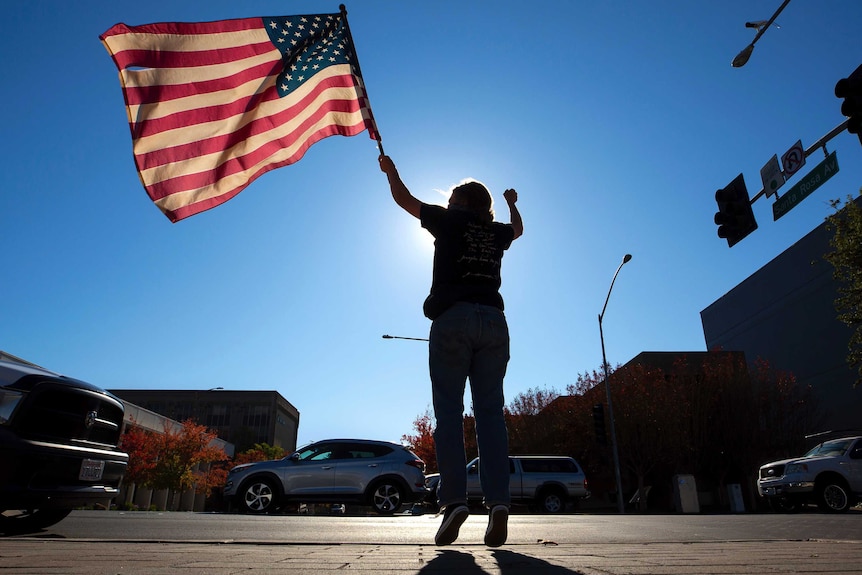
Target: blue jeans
[[470, 340]]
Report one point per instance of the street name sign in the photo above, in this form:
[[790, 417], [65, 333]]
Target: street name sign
[[813, 180]]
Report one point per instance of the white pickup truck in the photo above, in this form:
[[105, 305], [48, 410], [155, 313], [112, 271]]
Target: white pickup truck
[[544, 482], [829, 475]]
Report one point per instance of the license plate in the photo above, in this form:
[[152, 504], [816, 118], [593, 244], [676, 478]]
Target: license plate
[[91, 470]]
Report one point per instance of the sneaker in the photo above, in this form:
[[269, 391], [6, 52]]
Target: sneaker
[[498, 519], [453, 517]]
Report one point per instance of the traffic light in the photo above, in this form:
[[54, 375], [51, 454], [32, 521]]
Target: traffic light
[[850, 88], [735, 218], [599, 423]]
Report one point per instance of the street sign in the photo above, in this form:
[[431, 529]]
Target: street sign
[[793, 159], [771, 176], [813, 180]]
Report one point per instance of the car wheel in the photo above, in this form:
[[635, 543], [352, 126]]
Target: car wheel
[[258, 496], [833, 496], [29, 520], [784, 505], [551, 501], [386, 497]]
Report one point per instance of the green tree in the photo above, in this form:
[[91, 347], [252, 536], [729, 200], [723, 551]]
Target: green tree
[[846, 258]]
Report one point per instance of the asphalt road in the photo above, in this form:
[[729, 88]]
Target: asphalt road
[[420, 529]]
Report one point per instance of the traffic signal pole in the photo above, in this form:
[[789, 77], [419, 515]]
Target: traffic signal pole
[[821, 143], [735, 218]]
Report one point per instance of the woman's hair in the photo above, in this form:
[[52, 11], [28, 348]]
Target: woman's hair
[[474, 197]]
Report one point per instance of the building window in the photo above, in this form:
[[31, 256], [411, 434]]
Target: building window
[[219, 416], [256, 416]]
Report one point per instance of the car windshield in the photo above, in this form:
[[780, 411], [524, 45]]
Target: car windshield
[[835, 447], [315, 452]]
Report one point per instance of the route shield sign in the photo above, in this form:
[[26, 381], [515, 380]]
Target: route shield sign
[[813, 180]]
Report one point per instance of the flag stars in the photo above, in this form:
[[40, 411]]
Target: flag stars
[[308, 45]]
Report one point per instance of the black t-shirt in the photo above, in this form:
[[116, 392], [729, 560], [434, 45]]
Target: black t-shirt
[[467, 258]]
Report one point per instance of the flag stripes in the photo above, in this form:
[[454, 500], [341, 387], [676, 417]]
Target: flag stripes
[[204, 107]]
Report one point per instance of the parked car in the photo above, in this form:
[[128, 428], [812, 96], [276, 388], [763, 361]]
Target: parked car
[[58, 446], [544, 482], [829, 475], [377, 473]]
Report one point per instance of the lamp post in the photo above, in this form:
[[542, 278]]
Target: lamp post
[[620, 503], [400, 337], [745, 54]]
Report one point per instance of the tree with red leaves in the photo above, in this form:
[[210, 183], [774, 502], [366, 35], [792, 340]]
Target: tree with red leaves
[[177, 459], [260, 452], [422, 442]]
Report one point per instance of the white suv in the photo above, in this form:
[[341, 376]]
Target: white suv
[[544, 482], [829, 475]]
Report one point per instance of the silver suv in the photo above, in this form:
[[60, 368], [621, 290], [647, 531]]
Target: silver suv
[[829, 475], [544, 482], [377, 473]]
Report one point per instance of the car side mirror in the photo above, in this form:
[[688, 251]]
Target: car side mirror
[[294, 457]]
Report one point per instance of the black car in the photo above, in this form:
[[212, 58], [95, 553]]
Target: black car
[[58, 446]]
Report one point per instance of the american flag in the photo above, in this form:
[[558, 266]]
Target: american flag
[[214, 105]]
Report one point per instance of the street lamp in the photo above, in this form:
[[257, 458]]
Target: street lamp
[[745, 54], [399, 337], [620, 503]]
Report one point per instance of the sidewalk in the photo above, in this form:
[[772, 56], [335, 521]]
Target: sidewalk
[[22, 555]]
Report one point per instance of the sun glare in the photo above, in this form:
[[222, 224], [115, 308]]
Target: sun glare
[[423, 240]]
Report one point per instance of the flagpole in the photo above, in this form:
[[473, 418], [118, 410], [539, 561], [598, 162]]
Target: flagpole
[[343, 9]]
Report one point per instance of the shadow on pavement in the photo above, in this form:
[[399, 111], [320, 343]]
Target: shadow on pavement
[[509, 563]]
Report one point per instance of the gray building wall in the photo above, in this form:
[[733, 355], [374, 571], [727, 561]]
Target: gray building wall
[[785, 313]]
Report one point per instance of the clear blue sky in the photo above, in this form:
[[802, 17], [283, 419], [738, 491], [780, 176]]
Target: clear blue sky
[[616, 121]]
